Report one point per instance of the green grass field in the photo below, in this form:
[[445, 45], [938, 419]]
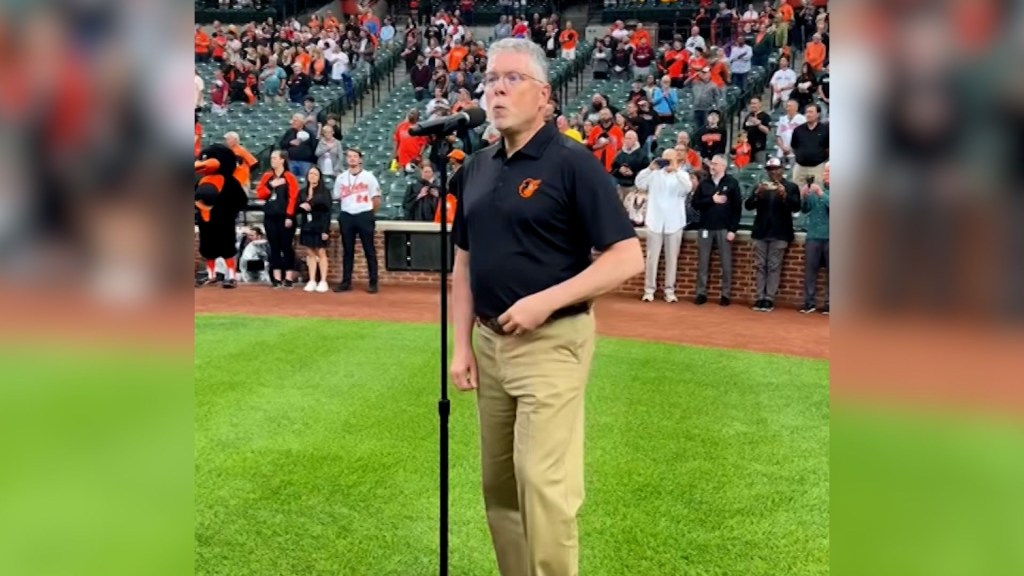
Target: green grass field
[[316, 453]]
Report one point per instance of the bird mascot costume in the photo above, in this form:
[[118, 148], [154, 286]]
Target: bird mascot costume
[[219, 198]]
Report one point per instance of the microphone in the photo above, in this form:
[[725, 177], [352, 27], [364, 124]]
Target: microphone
[[444, 125]]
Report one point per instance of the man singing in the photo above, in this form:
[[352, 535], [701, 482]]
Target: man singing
[[534, 206]]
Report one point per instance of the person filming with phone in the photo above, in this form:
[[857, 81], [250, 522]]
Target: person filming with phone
[[667, 183], [814, 199], [775, 200]]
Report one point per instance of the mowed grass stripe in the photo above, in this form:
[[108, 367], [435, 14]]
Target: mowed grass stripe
[[316, 453]]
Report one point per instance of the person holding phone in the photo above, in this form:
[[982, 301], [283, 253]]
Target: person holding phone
[[280, 190], [775, 201], [667, 183], [815, 202]]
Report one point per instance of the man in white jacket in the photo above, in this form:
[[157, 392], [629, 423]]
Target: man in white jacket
[[667, 182]]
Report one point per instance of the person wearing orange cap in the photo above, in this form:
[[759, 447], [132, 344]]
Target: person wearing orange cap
[[456, 158]]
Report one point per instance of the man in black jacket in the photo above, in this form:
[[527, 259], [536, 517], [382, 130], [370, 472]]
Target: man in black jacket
[[300, 146], [630, 160], [719, 202], [775, 201]]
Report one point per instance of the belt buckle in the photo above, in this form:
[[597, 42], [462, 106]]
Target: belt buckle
[[492, 325]]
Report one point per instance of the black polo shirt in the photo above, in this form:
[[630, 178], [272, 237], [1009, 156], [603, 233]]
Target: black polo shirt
[[529, 222], [810, 147]]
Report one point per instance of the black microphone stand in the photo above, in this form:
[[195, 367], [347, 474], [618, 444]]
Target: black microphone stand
[[443, 406]]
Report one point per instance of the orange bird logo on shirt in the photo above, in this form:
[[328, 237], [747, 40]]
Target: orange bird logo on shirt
[[528, 187]]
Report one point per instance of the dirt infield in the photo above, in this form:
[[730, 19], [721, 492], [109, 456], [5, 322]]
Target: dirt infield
[[784, 331]]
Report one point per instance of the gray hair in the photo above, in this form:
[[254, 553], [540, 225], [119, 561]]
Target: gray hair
[[232, 136], [522, 46]]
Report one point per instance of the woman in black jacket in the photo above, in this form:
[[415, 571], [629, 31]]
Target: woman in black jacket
[[422, 196], [279, 188], [315, 213]]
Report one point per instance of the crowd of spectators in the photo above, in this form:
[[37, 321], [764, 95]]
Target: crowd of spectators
[[688, 185]]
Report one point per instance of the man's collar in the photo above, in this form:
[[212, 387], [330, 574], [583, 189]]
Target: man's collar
[[536, 146]]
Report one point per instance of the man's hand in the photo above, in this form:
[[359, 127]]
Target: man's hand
[[730, 236], [817, 190], [287, 222], [305, 206], [525, 315], [463, 370], [720, 198]]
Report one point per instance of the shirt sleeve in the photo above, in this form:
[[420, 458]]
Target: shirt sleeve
[[684, 181], [643, 179], [597, 204], [293, 193], [460, 237]]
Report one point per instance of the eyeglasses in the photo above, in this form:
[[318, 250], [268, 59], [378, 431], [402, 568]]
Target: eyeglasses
[[512, 79]]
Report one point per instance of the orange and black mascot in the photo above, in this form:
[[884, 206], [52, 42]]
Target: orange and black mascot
[[219, 198]]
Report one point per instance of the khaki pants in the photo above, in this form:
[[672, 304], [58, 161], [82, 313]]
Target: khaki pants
[[781, 34], [530, 400], [800, 173], [624, 191]]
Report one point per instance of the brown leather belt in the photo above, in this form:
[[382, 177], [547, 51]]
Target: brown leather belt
[[493, 325]]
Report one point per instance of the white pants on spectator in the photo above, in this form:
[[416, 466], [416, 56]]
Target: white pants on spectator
[[569, 54], [655, 243]]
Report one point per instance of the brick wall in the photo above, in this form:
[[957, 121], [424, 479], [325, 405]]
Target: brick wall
[[790, 289]]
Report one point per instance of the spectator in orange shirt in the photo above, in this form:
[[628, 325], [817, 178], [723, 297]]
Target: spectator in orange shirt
[[198, 138], [568, 39], [202, 45], [720, 75], [741, 150], [303, 58], [675, 62], [815, 53], [220, 43], [689, 154], [605, 139], [408, 149], [783, 20], [455, 160], [246, 161], [640, 34], [456, 55]]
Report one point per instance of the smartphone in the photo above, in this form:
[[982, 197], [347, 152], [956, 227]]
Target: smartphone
[[661, 162]]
